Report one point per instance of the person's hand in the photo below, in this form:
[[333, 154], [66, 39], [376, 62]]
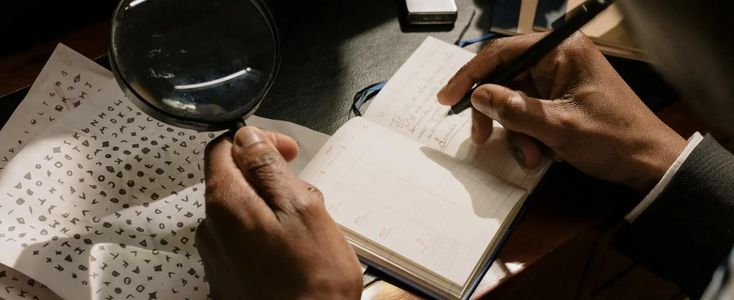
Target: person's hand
[[267, 234], [573, 103]]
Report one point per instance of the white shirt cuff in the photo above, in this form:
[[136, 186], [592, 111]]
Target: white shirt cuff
[[655, 192]]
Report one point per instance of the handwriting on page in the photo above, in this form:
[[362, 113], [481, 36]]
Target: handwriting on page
[[407, 104], [412, 199], [106, 204]]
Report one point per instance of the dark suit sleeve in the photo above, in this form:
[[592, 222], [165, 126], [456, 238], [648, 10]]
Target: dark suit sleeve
[[689, 229]]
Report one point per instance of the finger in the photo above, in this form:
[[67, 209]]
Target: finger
[[481, 127], [519, 112], [286, 145], [227, 192], [494, 54], [264, 167], [525, 149]]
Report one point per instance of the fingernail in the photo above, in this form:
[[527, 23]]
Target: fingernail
[[248, 136], [519, 156], [441, 90], [440, 93]]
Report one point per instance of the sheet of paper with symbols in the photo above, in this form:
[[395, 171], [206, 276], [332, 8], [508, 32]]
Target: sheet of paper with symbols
[[98, 199]]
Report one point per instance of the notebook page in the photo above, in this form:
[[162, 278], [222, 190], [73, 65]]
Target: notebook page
[[408, 105], [436, 211]]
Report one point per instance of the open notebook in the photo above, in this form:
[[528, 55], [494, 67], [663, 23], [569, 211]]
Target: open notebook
[[415, 197]]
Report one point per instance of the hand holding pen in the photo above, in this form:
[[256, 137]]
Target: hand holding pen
[[571, 105], [504, 74]]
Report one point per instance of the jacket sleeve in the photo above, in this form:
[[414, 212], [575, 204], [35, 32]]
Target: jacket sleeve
[[689, 229]]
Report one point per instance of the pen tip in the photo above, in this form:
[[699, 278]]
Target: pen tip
[[449, 113]]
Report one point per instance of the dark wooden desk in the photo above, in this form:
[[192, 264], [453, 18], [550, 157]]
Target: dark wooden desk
[[559, 249]]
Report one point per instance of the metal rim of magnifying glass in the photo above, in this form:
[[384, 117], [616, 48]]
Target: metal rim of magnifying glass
[[188, 123]]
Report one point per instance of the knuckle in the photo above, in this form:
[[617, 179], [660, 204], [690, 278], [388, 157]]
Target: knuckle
[[265, 164], [470, 70], [222, 199], [464, 67], [224, 213], [482, 94], [577, 45], [503, 44], [559, 59], [582, 39], [574, 50], [495, 45], [568, 118], [463, 73], [316, 194], [492, 44], [465, 70], [509, 110], [565, 124], [306, 205], [531, 38], [473, 77], [311, 203], [502, 118]]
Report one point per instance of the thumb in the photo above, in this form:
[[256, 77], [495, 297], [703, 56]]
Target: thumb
[[515, 110], [263, 166]]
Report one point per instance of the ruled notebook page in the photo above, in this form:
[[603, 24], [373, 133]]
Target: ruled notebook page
[[415, 203], [408, 105]]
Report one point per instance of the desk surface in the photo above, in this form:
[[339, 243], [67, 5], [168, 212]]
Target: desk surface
[[553, 248]]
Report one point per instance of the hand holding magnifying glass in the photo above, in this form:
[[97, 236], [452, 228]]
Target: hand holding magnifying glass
[[206, 65]]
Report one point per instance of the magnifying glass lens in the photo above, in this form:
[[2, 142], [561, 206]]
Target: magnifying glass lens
[[197, 63]]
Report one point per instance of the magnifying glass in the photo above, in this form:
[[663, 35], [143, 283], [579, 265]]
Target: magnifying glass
[[199, 64]]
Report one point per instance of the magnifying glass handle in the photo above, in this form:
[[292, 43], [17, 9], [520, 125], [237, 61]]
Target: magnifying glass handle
[[236, 125]]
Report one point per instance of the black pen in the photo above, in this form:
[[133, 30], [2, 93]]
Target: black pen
[[504, 75]]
